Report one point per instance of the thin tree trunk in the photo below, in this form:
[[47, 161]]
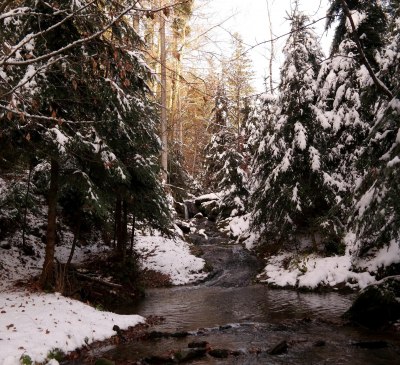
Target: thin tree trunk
[[26, 204], [124, 232], [47, 277], [118, 223], [76, 237], [164, 127], [132, 235]]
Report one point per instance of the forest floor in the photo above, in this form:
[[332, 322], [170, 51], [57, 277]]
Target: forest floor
[[41, 327]]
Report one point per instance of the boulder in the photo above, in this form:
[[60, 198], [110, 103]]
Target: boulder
[[198, 344], [279, 349], [219, 353], [189, 354], [377, 305]]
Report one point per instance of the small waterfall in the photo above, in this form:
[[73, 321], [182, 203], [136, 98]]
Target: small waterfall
[[186, 210]]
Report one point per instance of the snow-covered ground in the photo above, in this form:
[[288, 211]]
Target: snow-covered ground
[[171, 257], [36, 324], [312, 271]]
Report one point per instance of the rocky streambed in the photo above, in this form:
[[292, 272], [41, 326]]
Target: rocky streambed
[[228, 319]]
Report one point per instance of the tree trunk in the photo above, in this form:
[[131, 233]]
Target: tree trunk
[[132, 235], [124, 232], [118, 223], [26, 205], [47, 278], [164, 126]]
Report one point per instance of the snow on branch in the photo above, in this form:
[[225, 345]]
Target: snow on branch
[[371, 72]]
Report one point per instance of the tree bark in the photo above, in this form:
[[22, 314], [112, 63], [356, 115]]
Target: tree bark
[[164, 126], [118, 223], [47, 278], [26, 204]]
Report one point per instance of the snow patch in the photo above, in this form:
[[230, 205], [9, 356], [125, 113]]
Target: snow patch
[[171, 257]]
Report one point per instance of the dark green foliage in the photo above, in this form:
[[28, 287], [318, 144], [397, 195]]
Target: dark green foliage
[[292, 194], [371, 30]]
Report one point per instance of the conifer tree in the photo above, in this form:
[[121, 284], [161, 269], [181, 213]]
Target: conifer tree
[[377, 209], [86, 109], [294, 195]]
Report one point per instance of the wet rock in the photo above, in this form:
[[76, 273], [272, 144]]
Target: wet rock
[[371, 344], [279, 349], [210, 209], [377, 305], [181, 334], [189, 354], [159, 359], [157, 334], [192, 209], [319, 343], [103, 361], [237, 353], [219, 353], [199, 216], [184, 227], [198, 344], [197, 239], [225, 327]]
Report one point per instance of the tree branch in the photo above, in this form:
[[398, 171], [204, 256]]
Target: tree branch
[[378, 83]]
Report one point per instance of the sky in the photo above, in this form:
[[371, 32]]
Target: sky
[[250, 19]]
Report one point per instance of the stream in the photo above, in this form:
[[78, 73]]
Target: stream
[[230, 312]]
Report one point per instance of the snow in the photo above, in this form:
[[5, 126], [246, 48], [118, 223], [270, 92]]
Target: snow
[[171, 257], [34, 324], [382, 258], [60, 137], [239, 225], [312, 271], [301, 139]]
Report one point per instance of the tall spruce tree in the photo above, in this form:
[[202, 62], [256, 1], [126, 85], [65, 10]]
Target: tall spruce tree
[[294, 196], [85, 110], [377, 209]]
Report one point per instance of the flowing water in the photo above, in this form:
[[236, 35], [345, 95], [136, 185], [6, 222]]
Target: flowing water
[[230, 312]]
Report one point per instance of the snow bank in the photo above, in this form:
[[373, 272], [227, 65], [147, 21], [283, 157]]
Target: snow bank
[[171, 257], [35, 324], [313, 271]]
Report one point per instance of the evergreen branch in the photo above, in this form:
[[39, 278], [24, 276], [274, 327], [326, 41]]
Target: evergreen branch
[[15, 88], [33, 36], [23, 114], [86, 39], [380, 85]]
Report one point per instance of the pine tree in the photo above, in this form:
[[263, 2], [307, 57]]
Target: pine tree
[[370, 20], [219, 128], [86, 111], [294, 195], [377, 209]]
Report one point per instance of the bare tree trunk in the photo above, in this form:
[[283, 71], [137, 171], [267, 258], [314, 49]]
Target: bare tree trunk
[[47, 277], [272, 53], [164, 126]]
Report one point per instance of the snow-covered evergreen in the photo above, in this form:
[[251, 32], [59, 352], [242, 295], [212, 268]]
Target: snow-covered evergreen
[[295, 192]]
